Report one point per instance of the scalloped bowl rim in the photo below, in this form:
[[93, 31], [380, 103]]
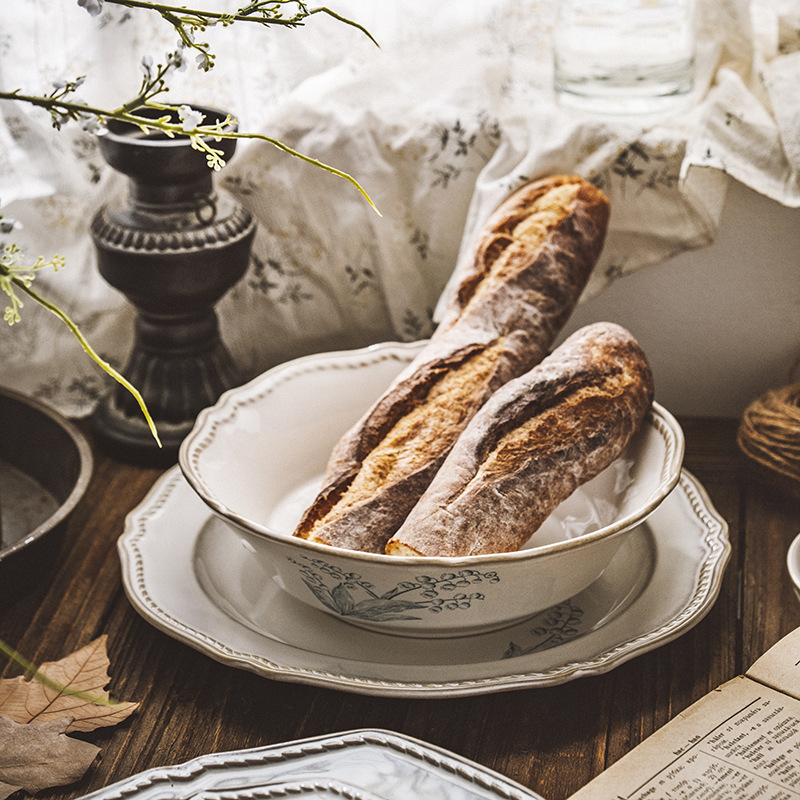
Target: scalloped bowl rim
[[202, 433]]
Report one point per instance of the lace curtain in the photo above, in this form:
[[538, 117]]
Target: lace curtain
[[439, 123]]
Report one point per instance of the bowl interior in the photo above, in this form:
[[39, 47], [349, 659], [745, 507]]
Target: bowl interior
[[269, 441], [258, 456]]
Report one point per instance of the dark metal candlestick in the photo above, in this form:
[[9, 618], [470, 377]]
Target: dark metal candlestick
[[173, 246]]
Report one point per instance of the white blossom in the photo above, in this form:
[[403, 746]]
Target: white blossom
[[146, 65], [59, 118], [190, 118], [92, 124], [175, 63], [204, 61]]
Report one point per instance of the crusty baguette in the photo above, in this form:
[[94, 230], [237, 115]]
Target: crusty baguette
[[531, 445], [536, 254], [528, 257]]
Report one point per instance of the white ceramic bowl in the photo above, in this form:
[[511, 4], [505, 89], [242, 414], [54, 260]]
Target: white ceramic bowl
[[257, 457], [793, 564]]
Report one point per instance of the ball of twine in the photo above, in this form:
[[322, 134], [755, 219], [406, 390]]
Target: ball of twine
[[769, 432]]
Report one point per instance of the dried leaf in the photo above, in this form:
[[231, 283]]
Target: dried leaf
[[36, 757], [79, 693], [6, 789]]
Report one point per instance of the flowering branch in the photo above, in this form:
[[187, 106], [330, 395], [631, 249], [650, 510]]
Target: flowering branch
[[189, 21], [15, 278], [64, 106], [190, 125]]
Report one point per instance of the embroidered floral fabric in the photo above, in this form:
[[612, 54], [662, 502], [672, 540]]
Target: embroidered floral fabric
[[452, 112]]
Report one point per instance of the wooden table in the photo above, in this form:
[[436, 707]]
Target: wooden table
[[553, 740]]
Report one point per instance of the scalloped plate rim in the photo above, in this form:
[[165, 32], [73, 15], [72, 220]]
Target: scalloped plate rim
[[142, 520]]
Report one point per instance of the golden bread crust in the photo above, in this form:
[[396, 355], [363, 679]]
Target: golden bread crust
[[531, 445], [532, 261]]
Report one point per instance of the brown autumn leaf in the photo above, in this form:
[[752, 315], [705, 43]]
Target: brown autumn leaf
[[36, 757], [79, 693]]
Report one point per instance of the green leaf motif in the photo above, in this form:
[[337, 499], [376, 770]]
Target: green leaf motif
[[384, 610], [351, 596], [343, 599]]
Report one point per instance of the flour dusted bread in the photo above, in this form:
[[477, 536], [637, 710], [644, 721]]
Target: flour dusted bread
[[532, 251], [531, 445], [531, 263]]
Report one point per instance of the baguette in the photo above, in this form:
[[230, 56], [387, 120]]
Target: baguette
[[531, 264], [531, 445], [540, 243]]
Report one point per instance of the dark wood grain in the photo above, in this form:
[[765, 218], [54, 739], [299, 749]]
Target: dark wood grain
[[552, 740]]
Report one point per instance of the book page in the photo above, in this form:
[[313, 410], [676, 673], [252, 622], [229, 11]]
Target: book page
[[739, 742], [779, 667]]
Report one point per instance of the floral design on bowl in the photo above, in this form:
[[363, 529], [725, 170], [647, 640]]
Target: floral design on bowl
[[348, 595]]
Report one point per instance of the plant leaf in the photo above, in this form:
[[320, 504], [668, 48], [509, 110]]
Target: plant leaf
[[36, 757], [342, 598], [73, 687], [6, 789], [323, 594], [381, 610]]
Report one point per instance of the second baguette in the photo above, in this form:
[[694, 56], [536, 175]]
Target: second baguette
[[534, 442]]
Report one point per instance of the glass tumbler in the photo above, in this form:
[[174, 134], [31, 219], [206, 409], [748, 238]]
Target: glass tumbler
[[624, 56]]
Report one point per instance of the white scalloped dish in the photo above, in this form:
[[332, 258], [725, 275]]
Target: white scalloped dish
[[190, 574], [257, 456], [360, 765], [256, 459]]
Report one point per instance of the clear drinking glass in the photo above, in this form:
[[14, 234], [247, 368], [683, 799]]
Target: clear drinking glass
[[624, 56]]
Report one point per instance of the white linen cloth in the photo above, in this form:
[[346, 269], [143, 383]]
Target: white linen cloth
[[452, 112]]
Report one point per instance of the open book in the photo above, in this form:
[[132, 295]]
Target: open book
[[739, 742]]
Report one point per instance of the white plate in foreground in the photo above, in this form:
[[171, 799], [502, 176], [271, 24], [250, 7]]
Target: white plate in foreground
[[361, 765], [187, 574]]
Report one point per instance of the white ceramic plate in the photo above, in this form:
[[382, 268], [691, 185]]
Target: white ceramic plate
[[187, 573], [361, 765]]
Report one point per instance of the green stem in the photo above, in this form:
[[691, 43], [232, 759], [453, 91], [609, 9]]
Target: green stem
[[165, 9], [104, 365], [308, 159], [123, 115], [340, 18]]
